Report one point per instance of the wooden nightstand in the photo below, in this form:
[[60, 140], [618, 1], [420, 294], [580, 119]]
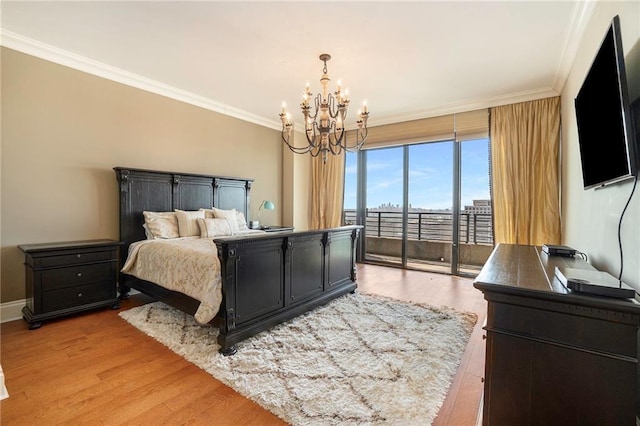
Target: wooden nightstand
[[276, 228], [69, 277]]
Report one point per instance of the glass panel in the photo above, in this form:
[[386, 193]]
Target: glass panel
[[430, 190], [350, 188], [429, 230], [384, 205], [476, 224]]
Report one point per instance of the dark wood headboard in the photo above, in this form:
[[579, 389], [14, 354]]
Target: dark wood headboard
[[150, 190]]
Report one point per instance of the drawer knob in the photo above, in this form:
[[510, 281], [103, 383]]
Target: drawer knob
[[484, 336], [79, 294], [79, 274], [79, 256]]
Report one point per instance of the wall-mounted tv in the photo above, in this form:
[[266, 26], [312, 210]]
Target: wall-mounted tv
[[606, 133]]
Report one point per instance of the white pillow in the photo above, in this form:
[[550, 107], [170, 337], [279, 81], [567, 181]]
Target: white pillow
[[187, 222], [147, 233], [162, 224], [208, 213], [211, 227], [242, 222], [230, 215]]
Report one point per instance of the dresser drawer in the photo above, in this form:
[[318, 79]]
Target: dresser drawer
[[76, 258], [77, 275], [77, 296]]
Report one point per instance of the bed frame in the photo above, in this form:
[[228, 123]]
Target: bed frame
[[266, 279]]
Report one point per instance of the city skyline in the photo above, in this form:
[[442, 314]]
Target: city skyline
[[390, 206], [430, 175]]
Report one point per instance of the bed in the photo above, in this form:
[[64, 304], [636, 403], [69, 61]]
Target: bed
[[266, 278]]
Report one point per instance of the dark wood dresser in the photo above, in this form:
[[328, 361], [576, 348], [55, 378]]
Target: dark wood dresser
[[69, 277], [554, 357]]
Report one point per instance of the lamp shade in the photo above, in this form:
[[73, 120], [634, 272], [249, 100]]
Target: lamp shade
[[268, 205]]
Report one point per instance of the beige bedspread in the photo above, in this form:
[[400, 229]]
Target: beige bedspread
[[188, 265]]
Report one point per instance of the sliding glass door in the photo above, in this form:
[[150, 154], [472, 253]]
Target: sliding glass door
[[385, 205], [429, 214], [424, 206], [476, 218]]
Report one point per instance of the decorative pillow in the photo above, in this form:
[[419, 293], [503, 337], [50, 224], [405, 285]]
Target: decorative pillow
[[147, 233], [187, 222], [211, 227], [230, 215], [162, 224], [242, 222], [208, 213]]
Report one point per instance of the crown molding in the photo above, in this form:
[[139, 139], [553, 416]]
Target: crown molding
[[472, 105], [53, 54], [579, 21]]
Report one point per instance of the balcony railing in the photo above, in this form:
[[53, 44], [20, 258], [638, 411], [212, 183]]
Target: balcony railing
[[475, 228]]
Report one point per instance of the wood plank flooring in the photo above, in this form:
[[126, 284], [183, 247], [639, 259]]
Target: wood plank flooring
[[94, 368]]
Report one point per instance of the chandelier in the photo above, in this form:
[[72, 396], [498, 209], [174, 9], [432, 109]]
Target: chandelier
[[325, 128]]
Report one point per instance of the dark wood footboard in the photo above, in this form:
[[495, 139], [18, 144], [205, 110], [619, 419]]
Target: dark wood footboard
[[270, 278], [273, 278]]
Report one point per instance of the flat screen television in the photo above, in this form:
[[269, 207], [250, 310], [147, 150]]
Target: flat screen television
[[606, 134]]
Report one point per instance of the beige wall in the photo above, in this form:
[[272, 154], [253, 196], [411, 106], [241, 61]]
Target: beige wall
[[296, 181], [590, 218], [63, 132]]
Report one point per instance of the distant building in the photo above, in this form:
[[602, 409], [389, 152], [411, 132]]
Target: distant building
[[479, 206]]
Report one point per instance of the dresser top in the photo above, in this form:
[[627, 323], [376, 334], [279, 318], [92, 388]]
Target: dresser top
[[67, 245], [528, 271]]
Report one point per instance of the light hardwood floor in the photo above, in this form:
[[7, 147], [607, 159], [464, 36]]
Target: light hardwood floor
[[94, 368]]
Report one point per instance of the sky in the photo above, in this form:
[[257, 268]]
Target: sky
[[430, 175]]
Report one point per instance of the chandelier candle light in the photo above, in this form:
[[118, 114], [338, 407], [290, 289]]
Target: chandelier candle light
[[325, 128]]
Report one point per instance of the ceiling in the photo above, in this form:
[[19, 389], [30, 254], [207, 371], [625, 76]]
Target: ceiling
[[408, 60]]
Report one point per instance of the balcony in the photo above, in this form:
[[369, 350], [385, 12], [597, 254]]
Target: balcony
[[429, 238]]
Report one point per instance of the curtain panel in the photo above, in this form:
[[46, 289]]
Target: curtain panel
[[327, 187], [525, 143]]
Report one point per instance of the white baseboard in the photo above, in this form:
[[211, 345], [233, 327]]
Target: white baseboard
[[11, 311]]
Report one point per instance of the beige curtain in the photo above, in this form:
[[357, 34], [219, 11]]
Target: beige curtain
[[525, 142], [327, 187]]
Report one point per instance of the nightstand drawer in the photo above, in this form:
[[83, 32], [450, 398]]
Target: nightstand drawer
[[57, 278], [76, 258], [77, 296]]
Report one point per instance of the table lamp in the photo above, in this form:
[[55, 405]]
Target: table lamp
[[267, 205]]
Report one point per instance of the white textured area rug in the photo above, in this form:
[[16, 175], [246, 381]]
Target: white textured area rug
[[361, 359]]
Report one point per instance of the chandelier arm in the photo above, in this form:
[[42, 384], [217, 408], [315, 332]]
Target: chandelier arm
[[336, 137], [335, 148], [315, 140], [315, 151], [317, 101], [296, 149], [364, 132], [360, 132], [333, 109]]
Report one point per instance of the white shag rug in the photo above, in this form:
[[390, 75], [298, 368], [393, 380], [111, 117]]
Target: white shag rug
[[361, 359]]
